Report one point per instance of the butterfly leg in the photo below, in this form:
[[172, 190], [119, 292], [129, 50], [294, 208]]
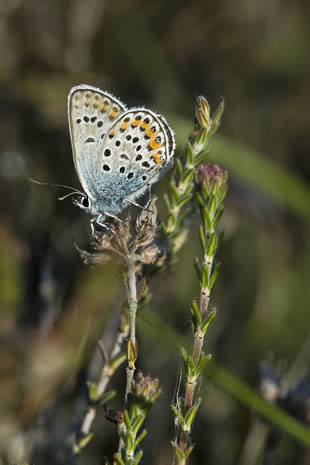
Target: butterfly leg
[[132, 202], [101, 217], [97, 220]]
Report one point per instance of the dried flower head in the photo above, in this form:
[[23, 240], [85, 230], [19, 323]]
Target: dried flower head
[[121, 240]]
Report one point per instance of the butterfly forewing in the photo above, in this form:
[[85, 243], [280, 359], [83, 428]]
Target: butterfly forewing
[[91, 114], [135, 150]]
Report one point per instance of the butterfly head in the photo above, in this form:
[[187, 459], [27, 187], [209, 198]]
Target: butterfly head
[[82, 201]]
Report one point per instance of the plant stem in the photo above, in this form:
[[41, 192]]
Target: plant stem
[[197, 347], [133, 305]]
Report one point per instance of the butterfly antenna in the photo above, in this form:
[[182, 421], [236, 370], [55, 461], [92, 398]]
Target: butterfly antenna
[[52, 184]]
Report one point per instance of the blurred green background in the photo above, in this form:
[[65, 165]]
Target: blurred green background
[[53, 309]]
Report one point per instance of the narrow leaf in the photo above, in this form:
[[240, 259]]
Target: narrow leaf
[[196, 317], [127, 420], [202, 239], [197, 268], [214, 275], [204, 277], [190, 156], [139, 438], [105, 397], [184, 355], [203, 362], [137, 423], [189, 418], [116, 362], [207, 322], [84, 441], [206, 220], [138, 457], [201, 158], [179, 167], [212, 245], [118, 460], [188, 451]]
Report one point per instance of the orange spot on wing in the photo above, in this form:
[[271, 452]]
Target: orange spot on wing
[[145, 125], [113, 114], [154, 145], [149, 133], [135, 123], [156, 158], [124, 125]]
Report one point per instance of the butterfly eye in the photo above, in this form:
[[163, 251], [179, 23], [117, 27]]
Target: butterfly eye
[[85, 202]]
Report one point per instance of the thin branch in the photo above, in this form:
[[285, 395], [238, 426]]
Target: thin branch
[[133, 305]]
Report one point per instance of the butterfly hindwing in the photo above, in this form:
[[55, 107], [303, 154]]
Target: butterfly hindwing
[[135, 150], [91, 114]]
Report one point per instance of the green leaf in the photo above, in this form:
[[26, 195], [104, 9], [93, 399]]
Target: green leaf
[[177, 414], [84, 441], [105, 397], [204, 277], [140, 437], [206, 323], [217, 115], [130, 443], [167, 202], [202, 137], [190, 156], [196, 317], [188, 451], [184, 356], [204, 360], [189, 417], [200, 199], [212, 245], [118, 459], [179, 453], [197, 268], [202, 239], [200, 158], [212, 207], [137, 423], [92, 391], [206, 220], [138, 457], [117, 362], [218, 215], [179, 167], [190, 367], [174, 191], [127, 420], [184, 200], [188, 177], [214, 275]]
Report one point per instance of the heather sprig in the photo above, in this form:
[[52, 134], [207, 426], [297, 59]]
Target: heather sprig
[[210, 183], [144, 392], [182, 183]]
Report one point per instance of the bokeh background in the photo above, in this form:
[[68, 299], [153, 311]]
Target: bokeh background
[[162, 55]]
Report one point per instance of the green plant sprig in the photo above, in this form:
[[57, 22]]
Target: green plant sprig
[[182, 181], [211, 187], [144, 392]]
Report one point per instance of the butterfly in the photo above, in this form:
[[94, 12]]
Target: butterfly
[[118, 153]]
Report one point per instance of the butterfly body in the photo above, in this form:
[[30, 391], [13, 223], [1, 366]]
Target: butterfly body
[[118, 153]]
